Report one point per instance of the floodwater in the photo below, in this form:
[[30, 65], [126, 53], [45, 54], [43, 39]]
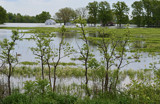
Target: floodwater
[[23, 48], [56, 25]]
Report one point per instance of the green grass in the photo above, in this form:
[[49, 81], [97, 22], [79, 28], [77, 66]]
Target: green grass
[[35, 63]]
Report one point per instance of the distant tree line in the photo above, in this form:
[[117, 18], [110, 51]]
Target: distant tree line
[[18, 18], [3, 15], [145, 13]]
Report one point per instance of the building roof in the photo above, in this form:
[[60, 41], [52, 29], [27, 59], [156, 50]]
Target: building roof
[[50, 22]]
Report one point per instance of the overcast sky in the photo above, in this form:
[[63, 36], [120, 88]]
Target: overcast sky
[[34, 7]]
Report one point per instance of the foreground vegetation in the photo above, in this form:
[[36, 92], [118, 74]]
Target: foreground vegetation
[[144, 87]]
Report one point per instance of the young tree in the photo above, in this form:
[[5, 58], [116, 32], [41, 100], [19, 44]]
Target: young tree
[[66, 15], [121, 12], [138, 13], [104, 12], [84, 50], [7, 57], [93, 12], [57, 53], [3, 15], [114, 48], [47, 57], [121, 55], [107, 47], [43, 41]]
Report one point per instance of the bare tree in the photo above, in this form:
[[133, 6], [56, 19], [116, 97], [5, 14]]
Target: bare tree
[[82, 12]]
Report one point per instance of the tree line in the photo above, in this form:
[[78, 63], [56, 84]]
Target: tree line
[[18, 18], [145, 13]]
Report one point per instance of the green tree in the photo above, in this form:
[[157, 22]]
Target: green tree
[[104, 13], [3, 15], [93, 12], [7, 56], [11, 17], [19, 18], [148, 12], [85, 53], [155, 15], [121, 12], [138, 13], [65, 15], [43, 41], [41, 18], [57, 53], [107, 47]]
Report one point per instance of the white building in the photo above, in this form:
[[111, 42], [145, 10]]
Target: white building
[[50, 22]]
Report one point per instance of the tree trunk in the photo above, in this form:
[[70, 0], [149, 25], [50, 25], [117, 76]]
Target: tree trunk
[[54, 80], [86, 73], [107, 76], [102, 84], [9, 74], [117, 78], [120, 25], [106, 81], [49, 68], [42, 66], [9, 84]]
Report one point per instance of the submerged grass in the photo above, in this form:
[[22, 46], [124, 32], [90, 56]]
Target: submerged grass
[[35, 63], [149, 36], [79, 72]]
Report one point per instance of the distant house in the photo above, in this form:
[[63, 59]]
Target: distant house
[[110, 24], [50, 22]]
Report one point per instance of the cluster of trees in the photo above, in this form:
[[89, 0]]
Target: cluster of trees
[[146, 12], [102, 12], [96, 13], [18, 18]]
